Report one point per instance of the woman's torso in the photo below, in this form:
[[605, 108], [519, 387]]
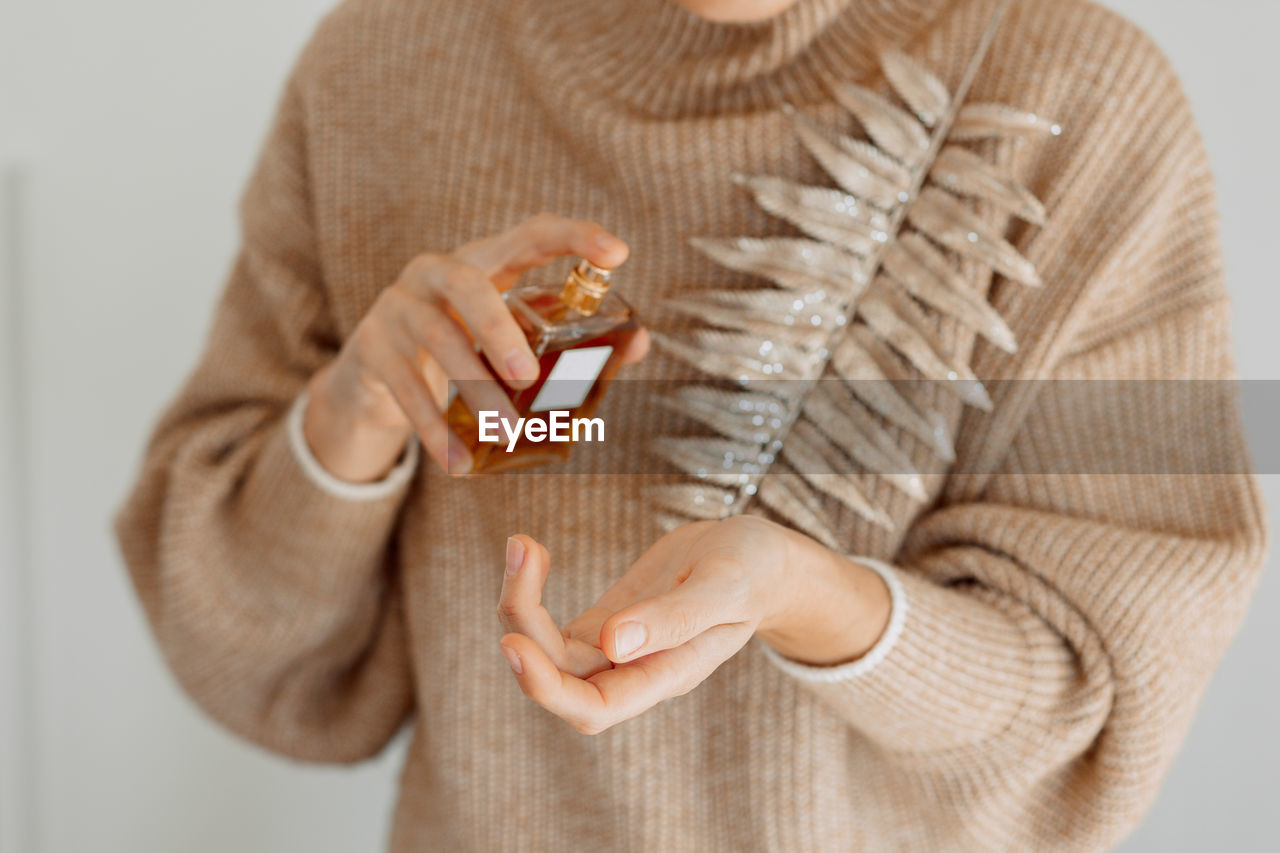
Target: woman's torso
[[435, 123]]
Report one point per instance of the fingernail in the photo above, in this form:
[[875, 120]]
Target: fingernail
[[515, 556], [520, 367], [514, 660], [628, 637], [608, 242], [459, 459]]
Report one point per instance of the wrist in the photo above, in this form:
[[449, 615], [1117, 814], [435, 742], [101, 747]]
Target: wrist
[[836, 608], [345, 436]]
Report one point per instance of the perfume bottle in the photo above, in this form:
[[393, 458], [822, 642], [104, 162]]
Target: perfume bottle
[[578, 332]]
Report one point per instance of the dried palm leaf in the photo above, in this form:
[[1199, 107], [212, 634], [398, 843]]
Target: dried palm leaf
[[718, 461], [858, 299], [791, 262], [865, 376], [699, 501], [965, 173], [912, 344], [819, 462], [915, 393], [739, 356], [896, 131], [875, 159], [926, 274], [922, 91], [821, 212], [855, 432], [990, 121], [785, 494], [951, 224], [740, 415], [854, 174]]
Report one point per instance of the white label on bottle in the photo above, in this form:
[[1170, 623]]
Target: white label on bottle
[[571, 379]]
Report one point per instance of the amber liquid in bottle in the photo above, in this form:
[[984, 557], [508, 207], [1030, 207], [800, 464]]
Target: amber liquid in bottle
[[578, 332]]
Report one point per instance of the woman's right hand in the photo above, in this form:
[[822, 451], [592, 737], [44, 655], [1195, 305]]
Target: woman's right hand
[[391, 377]]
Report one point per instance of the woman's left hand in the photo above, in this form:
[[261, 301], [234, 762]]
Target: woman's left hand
[[685, 607]]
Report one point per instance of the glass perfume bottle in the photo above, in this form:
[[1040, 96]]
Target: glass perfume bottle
[[578, 332]]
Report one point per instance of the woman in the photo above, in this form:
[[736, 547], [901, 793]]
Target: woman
[[1013, 669]]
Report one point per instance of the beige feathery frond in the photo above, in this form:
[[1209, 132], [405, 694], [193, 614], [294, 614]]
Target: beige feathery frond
[[855, 299]]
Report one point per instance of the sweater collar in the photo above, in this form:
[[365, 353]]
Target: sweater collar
[[655, 57]]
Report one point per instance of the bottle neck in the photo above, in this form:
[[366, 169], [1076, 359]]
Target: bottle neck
[[585, 288]]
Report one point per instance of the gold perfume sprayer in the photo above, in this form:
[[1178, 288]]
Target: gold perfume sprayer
[[585, 288]]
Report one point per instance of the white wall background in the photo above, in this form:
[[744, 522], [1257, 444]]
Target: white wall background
[[126, 131]]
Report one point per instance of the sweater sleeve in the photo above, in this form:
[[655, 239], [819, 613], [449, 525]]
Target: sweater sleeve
[[1054, 637], [267, 587], [1054, 631]]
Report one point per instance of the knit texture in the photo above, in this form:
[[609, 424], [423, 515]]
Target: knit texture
[[1059, 628]]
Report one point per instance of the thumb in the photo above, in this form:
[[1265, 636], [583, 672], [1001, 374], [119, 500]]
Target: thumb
[[668, 620]]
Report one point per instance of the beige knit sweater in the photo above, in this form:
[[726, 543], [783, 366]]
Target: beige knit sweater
[[1057, 630]]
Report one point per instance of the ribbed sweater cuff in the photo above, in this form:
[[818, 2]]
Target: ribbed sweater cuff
[[951, 669], [877, 653], [389, 485]]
